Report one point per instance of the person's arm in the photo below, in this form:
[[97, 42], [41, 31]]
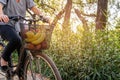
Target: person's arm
[[39, 13], [3, 17], [36, 10], [1, 7]]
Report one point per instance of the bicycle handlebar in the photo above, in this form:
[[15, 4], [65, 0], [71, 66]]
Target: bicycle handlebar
[[17, 18]]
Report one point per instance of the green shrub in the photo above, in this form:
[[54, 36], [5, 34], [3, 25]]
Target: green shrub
[[86, 55]]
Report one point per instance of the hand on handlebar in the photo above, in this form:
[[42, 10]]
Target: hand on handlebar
[[4, 18], [45, 19]]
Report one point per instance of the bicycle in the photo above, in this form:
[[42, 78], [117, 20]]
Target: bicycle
[[35, 65]]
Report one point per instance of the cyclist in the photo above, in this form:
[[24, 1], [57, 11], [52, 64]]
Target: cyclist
[[8, 27]]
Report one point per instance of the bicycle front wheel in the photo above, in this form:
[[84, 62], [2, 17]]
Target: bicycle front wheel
[[41, 67]]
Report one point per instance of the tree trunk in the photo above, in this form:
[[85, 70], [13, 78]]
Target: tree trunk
[[101, 14], [66, 22]]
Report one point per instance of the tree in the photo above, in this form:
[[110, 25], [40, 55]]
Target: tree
[[101, 14]]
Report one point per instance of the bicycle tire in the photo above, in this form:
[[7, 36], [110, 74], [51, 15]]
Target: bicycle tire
[[31, 68]]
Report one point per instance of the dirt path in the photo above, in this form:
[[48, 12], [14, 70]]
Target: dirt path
[[38, 77]]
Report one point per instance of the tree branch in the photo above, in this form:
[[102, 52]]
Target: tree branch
[[58, 17], [84, 21], [89, 15], [48, 6]]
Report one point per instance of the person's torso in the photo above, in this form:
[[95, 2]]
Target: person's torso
[[15, 8]]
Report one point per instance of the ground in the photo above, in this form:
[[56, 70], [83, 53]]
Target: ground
[[2, 77]]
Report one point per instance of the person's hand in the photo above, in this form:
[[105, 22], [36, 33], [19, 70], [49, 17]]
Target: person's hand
[[45, 19], [4, 18]]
